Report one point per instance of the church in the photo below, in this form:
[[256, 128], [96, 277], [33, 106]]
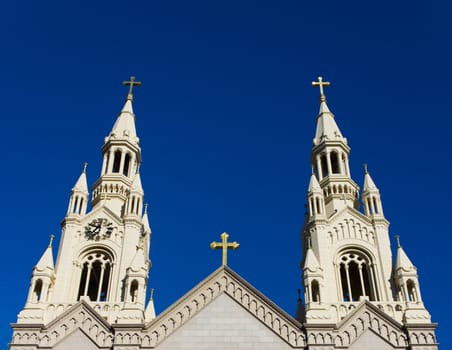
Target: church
[[356, 296]]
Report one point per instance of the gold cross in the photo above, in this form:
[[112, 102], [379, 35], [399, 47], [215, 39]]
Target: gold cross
[[224, 245], [131, 83], [320, 83]]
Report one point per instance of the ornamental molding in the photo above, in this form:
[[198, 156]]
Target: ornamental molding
[[81, 316], [369, 317], [224, 280]]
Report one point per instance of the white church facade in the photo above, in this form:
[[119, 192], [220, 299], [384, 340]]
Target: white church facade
[[94, 295]]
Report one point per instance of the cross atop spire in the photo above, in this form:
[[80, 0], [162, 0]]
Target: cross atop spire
[[131, 83], [320, 83]]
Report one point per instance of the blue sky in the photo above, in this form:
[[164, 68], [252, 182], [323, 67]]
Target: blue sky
[[226, 117]]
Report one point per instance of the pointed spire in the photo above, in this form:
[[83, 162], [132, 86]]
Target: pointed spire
[[369, 184], [46, 261], [311, 263], [124, 127], [149, 313], [145, 220], [136, 184], [402, 260], [314, 185], [82, 185], [139, 260], [327, 128]]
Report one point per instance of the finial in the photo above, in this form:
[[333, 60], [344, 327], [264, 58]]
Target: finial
[[312, 169], [51, 240], [151, 294], [365, 168], [320, 83], [131, 83], [397, 237], [299, 294], [146, 208], [309, 242], [138, 168], [85, 165]]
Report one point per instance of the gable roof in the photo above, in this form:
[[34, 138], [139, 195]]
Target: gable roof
[[80, 316], [368, 316], [224, 281]]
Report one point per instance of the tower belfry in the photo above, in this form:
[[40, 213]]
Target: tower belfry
[[98, 261], [347, 252]]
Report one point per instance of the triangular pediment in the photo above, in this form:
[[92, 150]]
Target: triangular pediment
[[79, 317], [349, 224], [348, 212], [224, 323], [102, 211], [224, 287], [369, 321]]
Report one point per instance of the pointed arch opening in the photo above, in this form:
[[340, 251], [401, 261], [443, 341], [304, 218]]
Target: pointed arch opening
[[324, 165], [315, 291], [126, 169], [37, 290], [335, 167], [133, 291], [95, 276], [375, 205], [356, 277], [412, 293], [116, 161]]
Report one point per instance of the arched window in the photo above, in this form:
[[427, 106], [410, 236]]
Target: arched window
[[324, 165], [125, 171], [315, 291], [95, 277], [134, 291], [74, 208], [37, 290], [335, 168], [356, 277], [375, 205], [117, 161], [412, 294]]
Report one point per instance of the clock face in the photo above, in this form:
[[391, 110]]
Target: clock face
[[98, 229]]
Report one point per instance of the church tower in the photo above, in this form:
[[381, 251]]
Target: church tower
[[103, 254], [347, 251]]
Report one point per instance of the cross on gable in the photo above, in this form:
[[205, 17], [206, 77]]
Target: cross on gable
[[224, 245]]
